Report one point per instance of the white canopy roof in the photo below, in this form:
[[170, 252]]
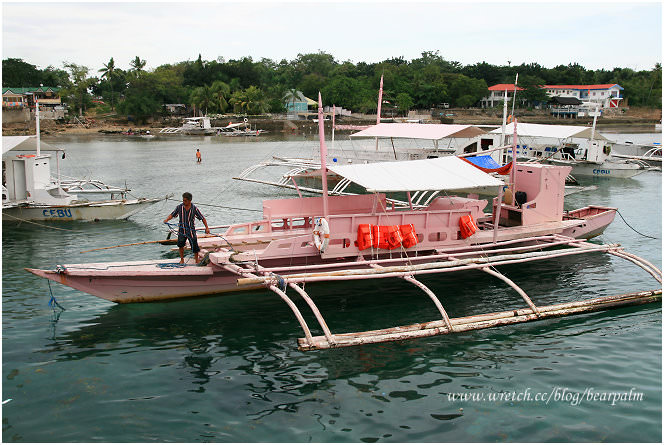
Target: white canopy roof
[[25, 143], [446, 173], [549, 131], [417, 131]]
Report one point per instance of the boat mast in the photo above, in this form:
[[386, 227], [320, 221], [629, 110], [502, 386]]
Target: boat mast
[[592, 133], [323, 155], [37, 126], [513, 170], [334, 112], [380, 104], [502, 134]]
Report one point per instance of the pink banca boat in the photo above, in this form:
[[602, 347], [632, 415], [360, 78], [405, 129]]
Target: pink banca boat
[[366, 236]]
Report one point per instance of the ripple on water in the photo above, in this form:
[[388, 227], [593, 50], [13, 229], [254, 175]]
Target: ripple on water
[[227, 369]]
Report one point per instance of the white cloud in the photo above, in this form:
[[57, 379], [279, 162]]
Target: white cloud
[[592, 34]]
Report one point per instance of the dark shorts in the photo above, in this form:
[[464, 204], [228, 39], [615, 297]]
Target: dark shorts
[[193, 242]]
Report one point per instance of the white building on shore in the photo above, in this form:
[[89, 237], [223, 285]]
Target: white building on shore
[[603, 96]]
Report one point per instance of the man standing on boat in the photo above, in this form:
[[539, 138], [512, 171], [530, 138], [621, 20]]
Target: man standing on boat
[[198, 155], [187, 228]]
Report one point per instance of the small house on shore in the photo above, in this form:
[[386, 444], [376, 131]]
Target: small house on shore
[[18, 104], [297, 105]]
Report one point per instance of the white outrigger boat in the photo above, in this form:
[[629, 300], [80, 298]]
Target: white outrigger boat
[[341, 238], [30, 193], [192, 126], [587, 152], [413, 141]]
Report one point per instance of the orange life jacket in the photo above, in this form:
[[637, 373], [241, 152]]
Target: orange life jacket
[[380, 239], [364, 236], [394, 238], [467, 226], [409, 236]]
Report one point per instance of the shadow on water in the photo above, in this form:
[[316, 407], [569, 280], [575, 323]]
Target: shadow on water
[[254, 321]]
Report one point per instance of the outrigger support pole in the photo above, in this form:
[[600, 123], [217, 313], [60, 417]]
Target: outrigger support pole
[[296, 311], [433, 297], [515, 287], [314, 309], [645, 265]]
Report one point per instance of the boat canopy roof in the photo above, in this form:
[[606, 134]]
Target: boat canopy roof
[[550, 131], [25, 143], [418, 131], [446, 173]]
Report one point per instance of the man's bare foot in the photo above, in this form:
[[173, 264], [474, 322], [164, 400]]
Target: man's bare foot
[[181, 261]]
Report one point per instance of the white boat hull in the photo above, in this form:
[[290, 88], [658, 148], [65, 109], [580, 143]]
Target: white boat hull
[[604, 170], [89, 211]]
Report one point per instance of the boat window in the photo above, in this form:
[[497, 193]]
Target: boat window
[[280, 224], [260, 227], [436, 236], [238, 230], [343, 241], [297, 223]]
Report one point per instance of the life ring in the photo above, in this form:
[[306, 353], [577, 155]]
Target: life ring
[[607, 150], [321, 234], [246, 120]]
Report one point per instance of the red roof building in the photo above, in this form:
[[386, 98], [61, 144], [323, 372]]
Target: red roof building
[[504, 86], [601, 95]]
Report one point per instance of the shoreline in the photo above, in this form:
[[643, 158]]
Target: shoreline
[[281, 125]]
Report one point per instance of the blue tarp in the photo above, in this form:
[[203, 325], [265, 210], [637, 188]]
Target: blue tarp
[[485, 161]]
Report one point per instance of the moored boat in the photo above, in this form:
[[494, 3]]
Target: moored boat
[[338, 238], [583, 149], [31, 193]]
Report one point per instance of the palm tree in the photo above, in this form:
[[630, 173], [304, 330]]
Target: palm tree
[[202, 97], [222, 92], [291, 96], [137, 64], [107, 71]]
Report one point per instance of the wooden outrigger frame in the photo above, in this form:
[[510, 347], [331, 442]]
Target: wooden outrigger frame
[[484, 258]]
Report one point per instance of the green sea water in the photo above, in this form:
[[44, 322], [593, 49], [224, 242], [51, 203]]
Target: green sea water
[[226, 368]]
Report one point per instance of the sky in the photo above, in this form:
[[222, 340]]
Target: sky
[[594, 34]]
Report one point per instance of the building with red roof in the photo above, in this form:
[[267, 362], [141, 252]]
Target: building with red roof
[[602, 95]]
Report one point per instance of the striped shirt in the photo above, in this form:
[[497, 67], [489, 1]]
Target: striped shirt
[[187, 221]]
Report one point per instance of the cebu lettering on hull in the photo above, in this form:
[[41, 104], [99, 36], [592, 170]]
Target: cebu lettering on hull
[[59, 213]]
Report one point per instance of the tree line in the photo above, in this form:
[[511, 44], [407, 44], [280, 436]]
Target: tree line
[[266, 86]]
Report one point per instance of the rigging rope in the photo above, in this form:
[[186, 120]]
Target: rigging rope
[[647, 236], [41, 225], [227, 207], [53, 303]]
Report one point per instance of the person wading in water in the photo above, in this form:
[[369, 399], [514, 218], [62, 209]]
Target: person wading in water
[[187, 229]]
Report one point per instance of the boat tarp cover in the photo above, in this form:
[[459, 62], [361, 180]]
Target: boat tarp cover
[[485, 161], [418, 131], [446, 173], [549, 131], [23, 143], [488, 165]]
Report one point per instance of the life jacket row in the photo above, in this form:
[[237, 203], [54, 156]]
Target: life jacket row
[[385, 237], [391, 237]]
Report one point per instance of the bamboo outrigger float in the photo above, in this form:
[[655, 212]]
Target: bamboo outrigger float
[[360, 237]]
